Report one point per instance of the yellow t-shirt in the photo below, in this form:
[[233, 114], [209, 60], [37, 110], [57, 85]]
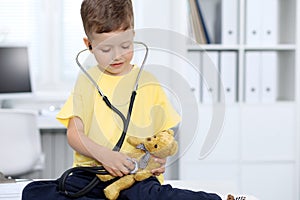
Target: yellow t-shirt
[[152, 112]]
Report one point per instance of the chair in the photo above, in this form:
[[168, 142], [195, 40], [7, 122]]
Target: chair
[[20, 143]]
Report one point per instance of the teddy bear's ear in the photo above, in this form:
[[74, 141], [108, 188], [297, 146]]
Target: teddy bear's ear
[[134, 141], [171, 132]]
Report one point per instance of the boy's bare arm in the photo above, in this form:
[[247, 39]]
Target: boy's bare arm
[[116, 163]]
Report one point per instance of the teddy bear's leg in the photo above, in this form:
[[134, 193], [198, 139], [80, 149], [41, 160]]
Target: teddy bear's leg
[[142, 175], [113, 190]]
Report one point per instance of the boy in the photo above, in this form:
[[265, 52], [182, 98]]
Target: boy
[[93, 129]]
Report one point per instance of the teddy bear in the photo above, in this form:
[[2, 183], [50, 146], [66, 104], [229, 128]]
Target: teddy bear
[[241, 197], [162, 145], [230, 197]]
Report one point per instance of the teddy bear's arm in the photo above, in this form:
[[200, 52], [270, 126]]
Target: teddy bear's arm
[[142, 175], [146, 173]]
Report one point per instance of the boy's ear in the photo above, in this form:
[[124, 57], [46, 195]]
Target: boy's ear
[[87, 43]]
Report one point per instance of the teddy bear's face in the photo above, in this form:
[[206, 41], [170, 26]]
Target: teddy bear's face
[[162, 144], [158, 142]]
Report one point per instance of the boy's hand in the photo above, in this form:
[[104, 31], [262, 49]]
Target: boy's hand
[[161, 169], [117, 164]]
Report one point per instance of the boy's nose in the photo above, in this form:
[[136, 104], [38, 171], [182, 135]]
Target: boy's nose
[[117, 53]]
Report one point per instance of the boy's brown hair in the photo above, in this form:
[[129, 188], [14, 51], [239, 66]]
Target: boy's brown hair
[[102, 16]]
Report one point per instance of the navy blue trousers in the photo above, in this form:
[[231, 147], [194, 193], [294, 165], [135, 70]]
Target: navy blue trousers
[[149, 189]]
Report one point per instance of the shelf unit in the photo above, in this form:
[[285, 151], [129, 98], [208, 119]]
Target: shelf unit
[[286, 55], [259, 146]]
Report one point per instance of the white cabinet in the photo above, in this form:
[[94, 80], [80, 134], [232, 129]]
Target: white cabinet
[[268, 132], [269, 181], [256, 151]]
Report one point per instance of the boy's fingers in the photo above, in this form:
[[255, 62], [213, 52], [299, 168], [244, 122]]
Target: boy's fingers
[[162, 161], [111, 172], [125, 170], [115, 172], [158, 171], [119, 172]]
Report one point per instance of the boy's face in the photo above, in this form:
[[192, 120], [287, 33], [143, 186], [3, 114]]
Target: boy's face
[[113, 51]]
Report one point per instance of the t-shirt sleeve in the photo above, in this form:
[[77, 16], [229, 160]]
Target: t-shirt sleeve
[[76, 104], [72, 107]]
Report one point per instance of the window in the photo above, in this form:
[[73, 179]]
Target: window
[[19, 26], [53, 31], [72, 37]]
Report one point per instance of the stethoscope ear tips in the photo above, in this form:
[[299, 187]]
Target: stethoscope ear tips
[[90, 47]]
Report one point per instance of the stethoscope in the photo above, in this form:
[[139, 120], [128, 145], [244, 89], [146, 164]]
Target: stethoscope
[[108, 103], [117, 147]]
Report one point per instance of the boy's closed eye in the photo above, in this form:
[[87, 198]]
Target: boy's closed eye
[[126, 45], [105, 50]]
